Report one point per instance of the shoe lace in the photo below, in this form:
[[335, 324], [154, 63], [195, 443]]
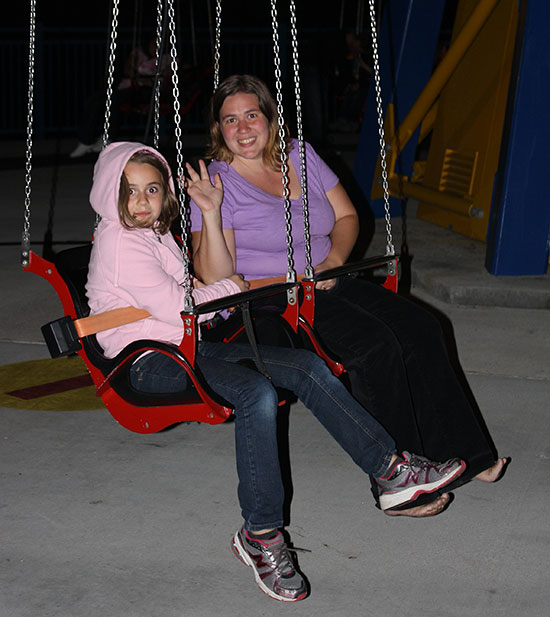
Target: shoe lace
[[413, 466], [279, 559], [415, 461]]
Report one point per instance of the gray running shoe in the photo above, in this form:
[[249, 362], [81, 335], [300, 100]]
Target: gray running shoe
[[412, 475], [272, 564]]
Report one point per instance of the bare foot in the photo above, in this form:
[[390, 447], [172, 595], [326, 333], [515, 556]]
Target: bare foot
[[429, 509], [493, 473]]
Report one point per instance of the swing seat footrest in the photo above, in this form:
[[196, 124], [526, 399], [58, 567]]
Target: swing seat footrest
[[61, 337]]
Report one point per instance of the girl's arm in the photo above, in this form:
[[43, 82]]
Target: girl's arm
[[343, 235], [145, 281], [213, 247], [226, 287]]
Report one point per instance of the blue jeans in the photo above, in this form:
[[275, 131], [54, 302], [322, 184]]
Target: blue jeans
[[255, 400]]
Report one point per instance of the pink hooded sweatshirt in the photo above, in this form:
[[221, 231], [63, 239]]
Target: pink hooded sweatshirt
[[136, 267]]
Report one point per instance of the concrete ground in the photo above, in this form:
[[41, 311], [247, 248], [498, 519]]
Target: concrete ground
[[96, 520]]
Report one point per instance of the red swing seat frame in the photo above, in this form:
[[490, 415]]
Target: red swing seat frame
[[138, 411], [135, 410], [300, 316]]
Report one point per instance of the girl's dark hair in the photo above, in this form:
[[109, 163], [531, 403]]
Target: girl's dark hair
[[170, 206], [246, 84]]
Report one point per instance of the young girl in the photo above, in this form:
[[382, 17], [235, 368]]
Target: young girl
[[135, 261]]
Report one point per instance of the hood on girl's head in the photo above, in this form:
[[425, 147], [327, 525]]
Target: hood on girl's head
[[108, 171]]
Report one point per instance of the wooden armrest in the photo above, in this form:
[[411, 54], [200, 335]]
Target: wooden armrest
[[110, 319]]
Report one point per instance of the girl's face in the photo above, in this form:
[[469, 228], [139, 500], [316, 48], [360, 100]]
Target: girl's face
[[146, 194], [244, 127]]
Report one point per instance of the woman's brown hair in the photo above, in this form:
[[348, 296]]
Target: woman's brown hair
[[170, 206], [246, 84]]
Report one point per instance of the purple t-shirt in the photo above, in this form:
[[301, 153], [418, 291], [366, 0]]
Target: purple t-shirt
[[258, 218]]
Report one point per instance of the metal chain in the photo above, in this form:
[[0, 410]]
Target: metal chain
[[390, 249], [110, 72], [291, 274], [308, 270], [156, 122], [217, 44], [182, 196], [26, 235]]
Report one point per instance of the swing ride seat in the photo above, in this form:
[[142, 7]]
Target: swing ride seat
[[139, 103], [193, 82], [293, 326], [135, 410], [150, 412]]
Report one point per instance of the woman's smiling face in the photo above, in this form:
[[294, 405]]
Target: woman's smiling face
[[244, 127]]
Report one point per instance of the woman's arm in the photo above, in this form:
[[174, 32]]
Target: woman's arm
[[213, 247], [213, 251], [343, 235]]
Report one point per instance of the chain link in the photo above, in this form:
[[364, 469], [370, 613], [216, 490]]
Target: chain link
[[291, 274], [308, 270], [158, 78], [390, 249], [179, 179], [110, 71], [26, 235], [217, 45]]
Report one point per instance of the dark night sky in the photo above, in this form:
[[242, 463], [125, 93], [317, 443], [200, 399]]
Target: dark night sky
[[235, 13]]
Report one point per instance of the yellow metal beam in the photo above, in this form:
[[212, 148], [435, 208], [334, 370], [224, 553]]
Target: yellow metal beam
[[397, 140], [402, 188], [428, 122], [442, 73]]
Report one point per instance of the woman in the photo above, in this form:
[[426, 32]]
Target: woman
[[393, 350]]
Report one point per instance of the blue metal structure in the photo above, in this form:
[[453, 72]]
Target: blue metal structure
[[519, 228], [408, 37]]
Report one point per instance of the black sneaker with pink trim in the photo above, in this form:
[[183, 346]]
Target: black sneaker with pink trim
[[412, 475], [272, 564]]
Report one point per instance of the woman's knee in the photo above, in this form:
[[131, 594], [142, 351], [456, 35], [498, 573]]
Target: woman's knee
[[424, 325]]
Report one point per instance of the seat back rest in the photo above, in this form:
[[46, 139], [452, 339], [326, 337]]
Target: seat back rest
[[72, 265], [194, 403]]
